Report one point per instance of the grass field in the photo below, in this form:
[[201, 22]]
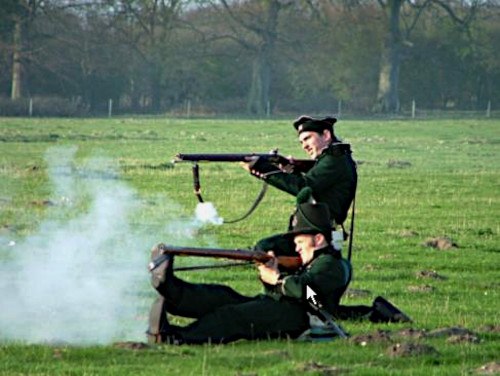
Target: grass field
[[83, 200]]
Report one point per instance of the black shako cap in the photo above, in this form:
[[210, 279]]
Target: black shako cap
[[308, 124], [311, 218]]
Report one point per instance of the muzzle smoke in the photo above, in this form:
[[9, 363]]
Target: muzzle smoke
[[206, 213], [82, 278]]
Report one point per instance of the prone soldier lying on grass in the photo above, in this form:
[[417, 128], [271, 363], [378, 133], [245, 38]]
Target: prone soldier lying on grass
[[223, 315]]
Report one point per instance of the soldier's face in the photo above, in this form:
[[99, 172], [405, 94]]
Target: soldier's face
[[313, 143], [305, 245]]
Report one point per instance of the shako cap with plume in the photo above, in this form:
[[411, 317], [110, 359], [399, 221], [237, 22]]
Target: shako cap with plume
[[311, 217]]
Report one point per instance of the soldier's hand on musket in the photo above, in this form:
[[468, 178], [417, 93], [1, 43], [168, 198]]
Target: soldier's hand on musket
[[248, 166], [288, 167], [269, 272]]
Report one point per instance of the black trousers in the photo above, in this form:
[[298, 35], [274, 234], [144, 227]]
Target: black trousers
[[223, 315]]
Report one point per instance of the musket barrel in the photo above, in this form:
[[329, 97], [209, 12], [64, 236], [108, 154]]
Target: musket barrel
[[217, 157], [288, 262], [302, 165], [232, 254]]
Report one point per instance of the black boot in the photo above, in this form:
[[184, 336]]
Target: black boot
[[161, 267], [159, 329], [383, 311], [158, 323]]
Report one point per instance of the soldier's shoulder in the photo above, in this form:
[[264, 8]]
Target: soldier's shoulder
[[324, 259], [339, 148]]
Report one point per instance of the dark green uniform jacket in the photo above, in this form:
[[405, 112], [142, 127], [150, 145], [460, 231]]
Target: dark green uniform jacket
[[332, 179], [327, 274]]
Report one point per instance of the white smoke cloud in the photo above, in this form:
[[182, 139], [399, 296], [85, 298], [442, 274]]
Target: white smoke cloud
[[82, 278], [206, 213]]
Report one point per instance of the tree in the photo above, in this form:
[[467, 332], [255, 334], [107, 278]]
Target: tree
[[387, 96], [254, 25], [145, 27], [334, 56], [462, 13], [258, 97], [18, 16]]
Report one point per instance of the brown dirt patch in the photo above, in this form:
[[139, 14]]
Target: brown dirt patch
[[463, 338], [42, 203], [490, 329], [442, 243], [410, 349], [357, 293], [394, 163], [432, 274], [452, 331], [421, 288], [375, 337], [492, 368], [279, 353], [408, 233], [58, 353], [411, 333], [370, 267], [385, 257], [323, 369], [130, 345]]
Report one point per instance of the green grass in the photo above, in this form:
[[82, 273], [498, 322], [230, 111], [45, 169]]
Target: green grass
[[418, 180]]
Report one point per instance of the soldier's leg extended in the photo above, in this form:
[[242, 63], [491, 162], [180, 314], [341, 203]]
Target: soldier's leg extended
[[260, 318], [357, 312], [182, 298]]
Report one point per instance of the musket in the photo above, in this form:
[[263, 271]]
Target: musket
[[290, 164], [301, 165], [286, 262]]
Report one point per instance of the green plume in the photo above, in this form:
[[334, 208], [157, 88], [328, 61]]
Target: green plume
[[305, 195]]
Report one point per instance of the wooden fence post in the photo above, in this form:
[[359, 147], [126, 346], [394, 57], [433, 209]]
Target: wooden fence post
[[110, 107]]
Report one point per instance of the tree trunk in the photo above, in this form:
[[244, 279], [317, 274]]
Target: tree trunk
[[258, 96], [134, 95], [388, 97], [155, 82], [17, 67]]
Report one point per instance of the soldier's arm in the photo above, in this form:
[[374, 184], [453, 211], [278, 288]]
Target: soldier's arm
[[291, 183], [319, 178], [324, 277]]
